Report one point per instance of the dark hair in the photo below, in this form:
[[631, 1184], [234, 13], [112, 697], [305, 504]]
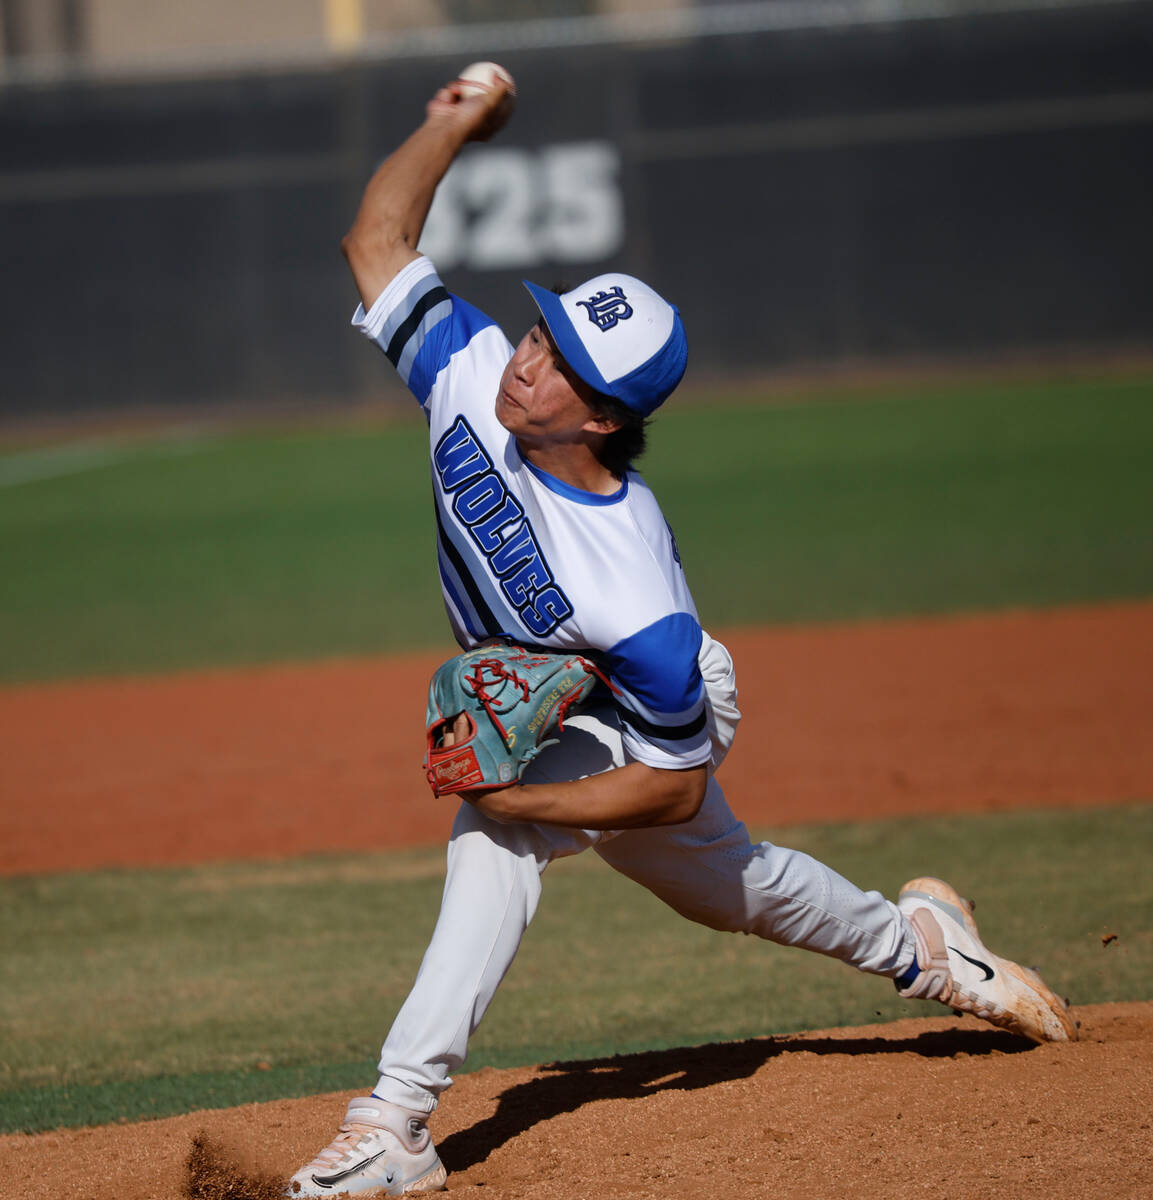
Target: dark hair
[[625, 445]]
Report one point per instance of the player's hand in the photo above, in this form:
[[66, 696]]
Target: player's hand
[[480, 116], [458, 732]]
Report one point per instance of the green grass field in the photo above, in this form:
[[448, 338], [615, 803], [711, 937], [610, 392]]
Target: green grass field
[[160, 555], [153, 992], [148, 992]]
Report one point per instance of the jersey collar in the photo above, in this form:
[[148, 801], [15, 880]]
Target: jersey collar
[[569, 492]]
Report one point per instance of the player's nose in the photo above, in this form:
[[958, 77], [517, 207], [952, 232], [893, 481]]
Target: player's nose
[[525, 363]]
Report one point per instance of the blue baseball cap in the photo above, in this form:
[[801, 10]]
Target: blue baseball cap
[[619, 336]]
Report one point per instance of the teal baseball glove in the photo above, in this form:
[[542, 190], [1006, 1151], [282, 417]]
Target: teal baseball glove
[[513, 702]]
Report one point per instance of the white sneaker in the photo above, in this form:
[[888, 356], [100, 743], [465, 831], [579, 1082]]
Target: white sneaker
[[957, 968], [381, 1150]]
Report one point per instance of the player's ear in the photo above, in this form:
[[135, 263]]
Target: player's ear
[[602, 423]]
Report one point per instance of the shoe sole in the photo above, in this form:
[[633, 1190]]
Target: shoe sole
[[432, 1181], [1061, 1027]]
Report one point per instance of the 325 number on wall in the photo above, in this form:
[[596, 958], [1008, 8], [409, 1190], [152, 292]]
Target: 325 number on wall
[[513, 208]]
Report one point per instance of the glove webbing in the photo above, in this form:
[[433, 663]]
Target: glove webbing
[[503, 673]]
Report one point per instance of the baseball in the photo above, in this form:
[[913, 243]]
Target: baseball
[[476, 80], [479, 77]]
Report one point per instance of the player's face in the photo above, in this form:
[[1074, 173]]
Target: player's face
[[540, 399]]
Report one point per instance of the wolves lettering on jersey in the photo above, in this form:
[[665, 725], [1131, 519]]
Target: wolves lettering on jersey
[[523, 554], [496, 523]]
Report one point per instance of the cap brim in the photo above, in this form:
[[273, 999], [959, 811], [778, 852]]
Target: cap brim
[[567, 339]]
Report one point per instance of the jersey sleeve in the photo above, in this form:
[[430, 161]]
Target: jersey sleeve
[[420, 325], [662, 695]]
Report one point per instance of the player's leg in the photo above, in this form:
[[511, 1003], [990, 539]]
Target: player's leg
[[491, 889], [709, 871], [928, 943], [492, 886]]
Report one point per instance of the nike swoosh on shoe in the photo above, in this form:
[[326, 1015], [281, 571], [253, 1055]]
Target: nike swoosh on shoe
[[983, 966], [327, 1181]]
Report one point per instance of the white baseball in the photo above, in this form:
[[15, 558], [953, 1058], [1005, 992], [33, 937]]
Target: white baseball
[[480, 77]]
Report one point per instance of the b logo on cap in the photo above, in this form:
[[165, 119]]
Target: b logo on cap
[[606, 308]]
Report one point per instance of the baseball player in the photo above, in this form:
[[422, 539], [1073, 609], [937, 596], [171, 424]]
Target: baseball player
[[547, 535]]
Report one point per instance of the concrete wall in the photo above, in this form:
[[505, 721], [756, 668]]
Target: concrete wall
[[944, 188]]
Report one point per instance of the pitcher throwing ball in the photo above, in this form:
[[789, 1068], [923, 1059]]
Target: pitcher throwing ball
[[549, 538]]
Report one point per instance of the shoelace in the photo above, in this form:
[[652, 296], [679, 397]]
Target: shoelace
[[343, 1146]]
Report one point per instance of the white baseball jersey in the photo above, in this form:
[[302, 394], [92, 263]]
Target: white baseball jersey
[[526, 556]]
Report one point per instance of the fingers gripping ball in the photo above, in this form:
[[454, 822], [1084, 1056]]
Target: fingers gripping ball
[[513, 701], [480, 78]]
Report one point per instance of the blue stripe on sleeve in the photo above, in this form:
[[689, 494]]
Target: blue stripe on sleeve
[[438, 343], [659, 666], [439, 310]]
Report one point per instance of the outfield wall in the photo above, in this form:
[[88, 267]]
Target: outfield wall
[[875, 192]]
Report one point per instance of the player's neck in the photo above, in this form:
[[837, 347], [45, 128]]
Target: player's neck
[[574, 464]]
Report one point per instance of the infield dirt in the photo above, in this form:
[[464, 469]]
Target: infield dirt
[[959, 714], [934, 1107]]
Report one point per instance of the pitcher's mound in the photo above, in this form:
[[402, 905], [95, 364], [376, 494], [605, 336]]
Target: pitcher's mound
[[934, 1107]]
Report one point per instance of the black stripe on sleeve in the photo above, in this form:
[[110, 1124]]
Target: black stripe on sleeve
[[409, 326], [667, 733]]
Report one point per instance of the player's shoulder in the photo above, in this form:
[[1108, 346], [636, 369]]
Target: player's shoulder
[[644, 507], [661, 553], [415, 284], [422, 327]]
